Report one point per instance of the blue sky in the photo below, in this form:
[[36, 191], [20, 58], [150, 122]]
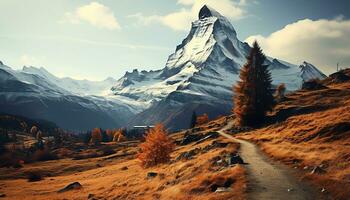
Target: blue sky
[[98, 39]]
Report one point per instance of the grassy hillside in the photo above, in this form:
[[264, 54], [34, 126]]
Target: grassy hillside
[[313, 130]]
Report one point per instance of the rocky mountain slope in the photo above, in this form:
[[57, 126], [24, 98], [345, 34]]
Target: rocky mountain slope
[[37, 94], [200, 74]]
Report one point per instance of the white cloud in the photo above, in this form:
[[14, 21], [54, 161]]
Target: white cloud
[[321, 42], [95, 14], [180, 20]]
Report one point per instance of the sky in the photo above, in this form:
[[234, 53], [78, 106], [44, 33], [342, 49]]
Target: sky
[[98, 39]]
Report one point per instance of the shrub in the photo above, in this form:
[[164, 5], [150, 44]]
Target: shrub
[[107, 150], [157, 147], [280, 92], [44, 155], [118, 136], [33, 130], [96, 136], [34, 176], [202, 119]]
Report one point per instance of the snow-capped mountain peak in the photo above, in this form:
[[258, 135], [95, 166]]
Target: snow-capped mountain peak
[[309, 71]]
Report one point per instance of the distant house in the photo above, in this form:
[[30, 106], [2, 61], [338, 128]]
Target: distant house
[[141, 130]]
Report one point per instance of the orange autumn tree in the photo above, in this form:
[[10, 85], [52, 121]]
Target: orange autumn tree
[[202, 119], [96, 136], [157, 147], [118, 136]]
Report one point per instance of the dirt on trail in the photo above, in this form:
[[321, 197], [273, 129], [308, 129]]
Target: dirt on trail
[[269, 180]]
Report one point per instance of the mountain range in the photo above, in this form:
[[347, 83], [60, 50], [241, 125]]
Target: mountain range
[[198, 76]]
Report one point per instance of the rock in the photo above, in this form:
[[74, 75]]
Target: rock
[[151, 174], [223, 189], [189, 138], [323, 190], [124, 168], [214, 144], [234, 159], [318, 170], [2, 195], [290, 189], [339, 77], [313, 85], [208, 136], [72, 186], [90, 196], [188, 154]]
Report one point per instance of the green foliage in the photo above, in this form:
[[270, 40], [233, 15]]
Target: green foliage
[[253, 93]]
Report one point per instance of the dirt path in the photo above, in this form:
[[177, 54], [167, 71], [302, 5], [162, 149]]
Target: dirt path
[[268, 180]]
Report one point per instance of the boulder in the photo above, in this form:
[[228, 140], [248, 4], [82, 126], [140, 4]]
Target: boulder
[[223, 189], [189, 138], [72, 186], [313, 85], [318, 170], [234, 159], [151, 174], [188, 154]]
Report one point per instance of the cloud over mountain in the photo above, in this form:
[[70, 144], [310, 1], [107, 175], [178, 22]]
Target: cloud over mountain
[[95, 14], [181, 19], [322, 42]]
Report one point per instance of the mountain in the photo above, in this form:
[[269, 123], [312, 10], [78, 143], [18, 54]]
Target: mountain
[[37, 94], [199, 75], [309, 71]]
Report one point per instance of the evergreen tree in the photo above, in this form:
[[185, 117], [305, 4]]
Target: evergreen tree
[[253, 93], [193, 119]]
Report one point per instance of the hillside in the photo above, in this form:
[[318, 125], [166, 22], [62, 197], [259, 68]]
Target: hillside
[[198, 170], [313, 134]]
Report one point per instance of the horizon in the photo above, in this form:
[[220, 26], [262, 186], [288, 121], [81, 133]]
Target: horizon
[[73, 35]]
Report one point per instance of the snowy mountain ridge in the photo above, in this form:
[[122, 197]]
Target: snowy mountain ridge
[[198, 76]]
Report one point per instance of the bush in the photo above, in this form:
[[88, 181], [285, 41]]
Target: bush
[[202, 119], [96, 136], [157, 147], [34, 176], [44, 155], [107, 150]]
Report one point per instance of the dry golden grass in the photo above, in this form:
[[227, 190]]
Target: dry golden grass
[[124, 178], [317, 134]]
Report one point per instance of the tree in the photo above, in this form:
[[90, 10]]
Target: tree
[[110, 134], [118, 136], [193, 119], [96, 136], [33, 130], [157, 147], [202, 119], [280, 92], [253, 93]]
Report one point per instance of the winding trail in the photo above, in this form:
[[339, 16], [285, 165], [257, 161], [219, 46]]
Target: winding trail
[[268, 180]]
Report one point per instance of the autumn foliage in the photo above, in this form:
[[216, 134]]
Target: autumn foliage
[[118, 136], [202, 119], [157, 147], [96, 136]]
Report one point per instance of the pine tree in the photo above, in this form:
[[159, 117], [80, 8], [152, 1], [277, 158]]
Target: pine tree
[[253, 93], [193, 119]]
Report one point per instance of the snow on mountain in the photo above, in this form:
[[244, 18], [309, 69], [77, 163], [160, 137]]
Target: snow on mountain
[[309, 71], [35, 93], [200, 74]]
